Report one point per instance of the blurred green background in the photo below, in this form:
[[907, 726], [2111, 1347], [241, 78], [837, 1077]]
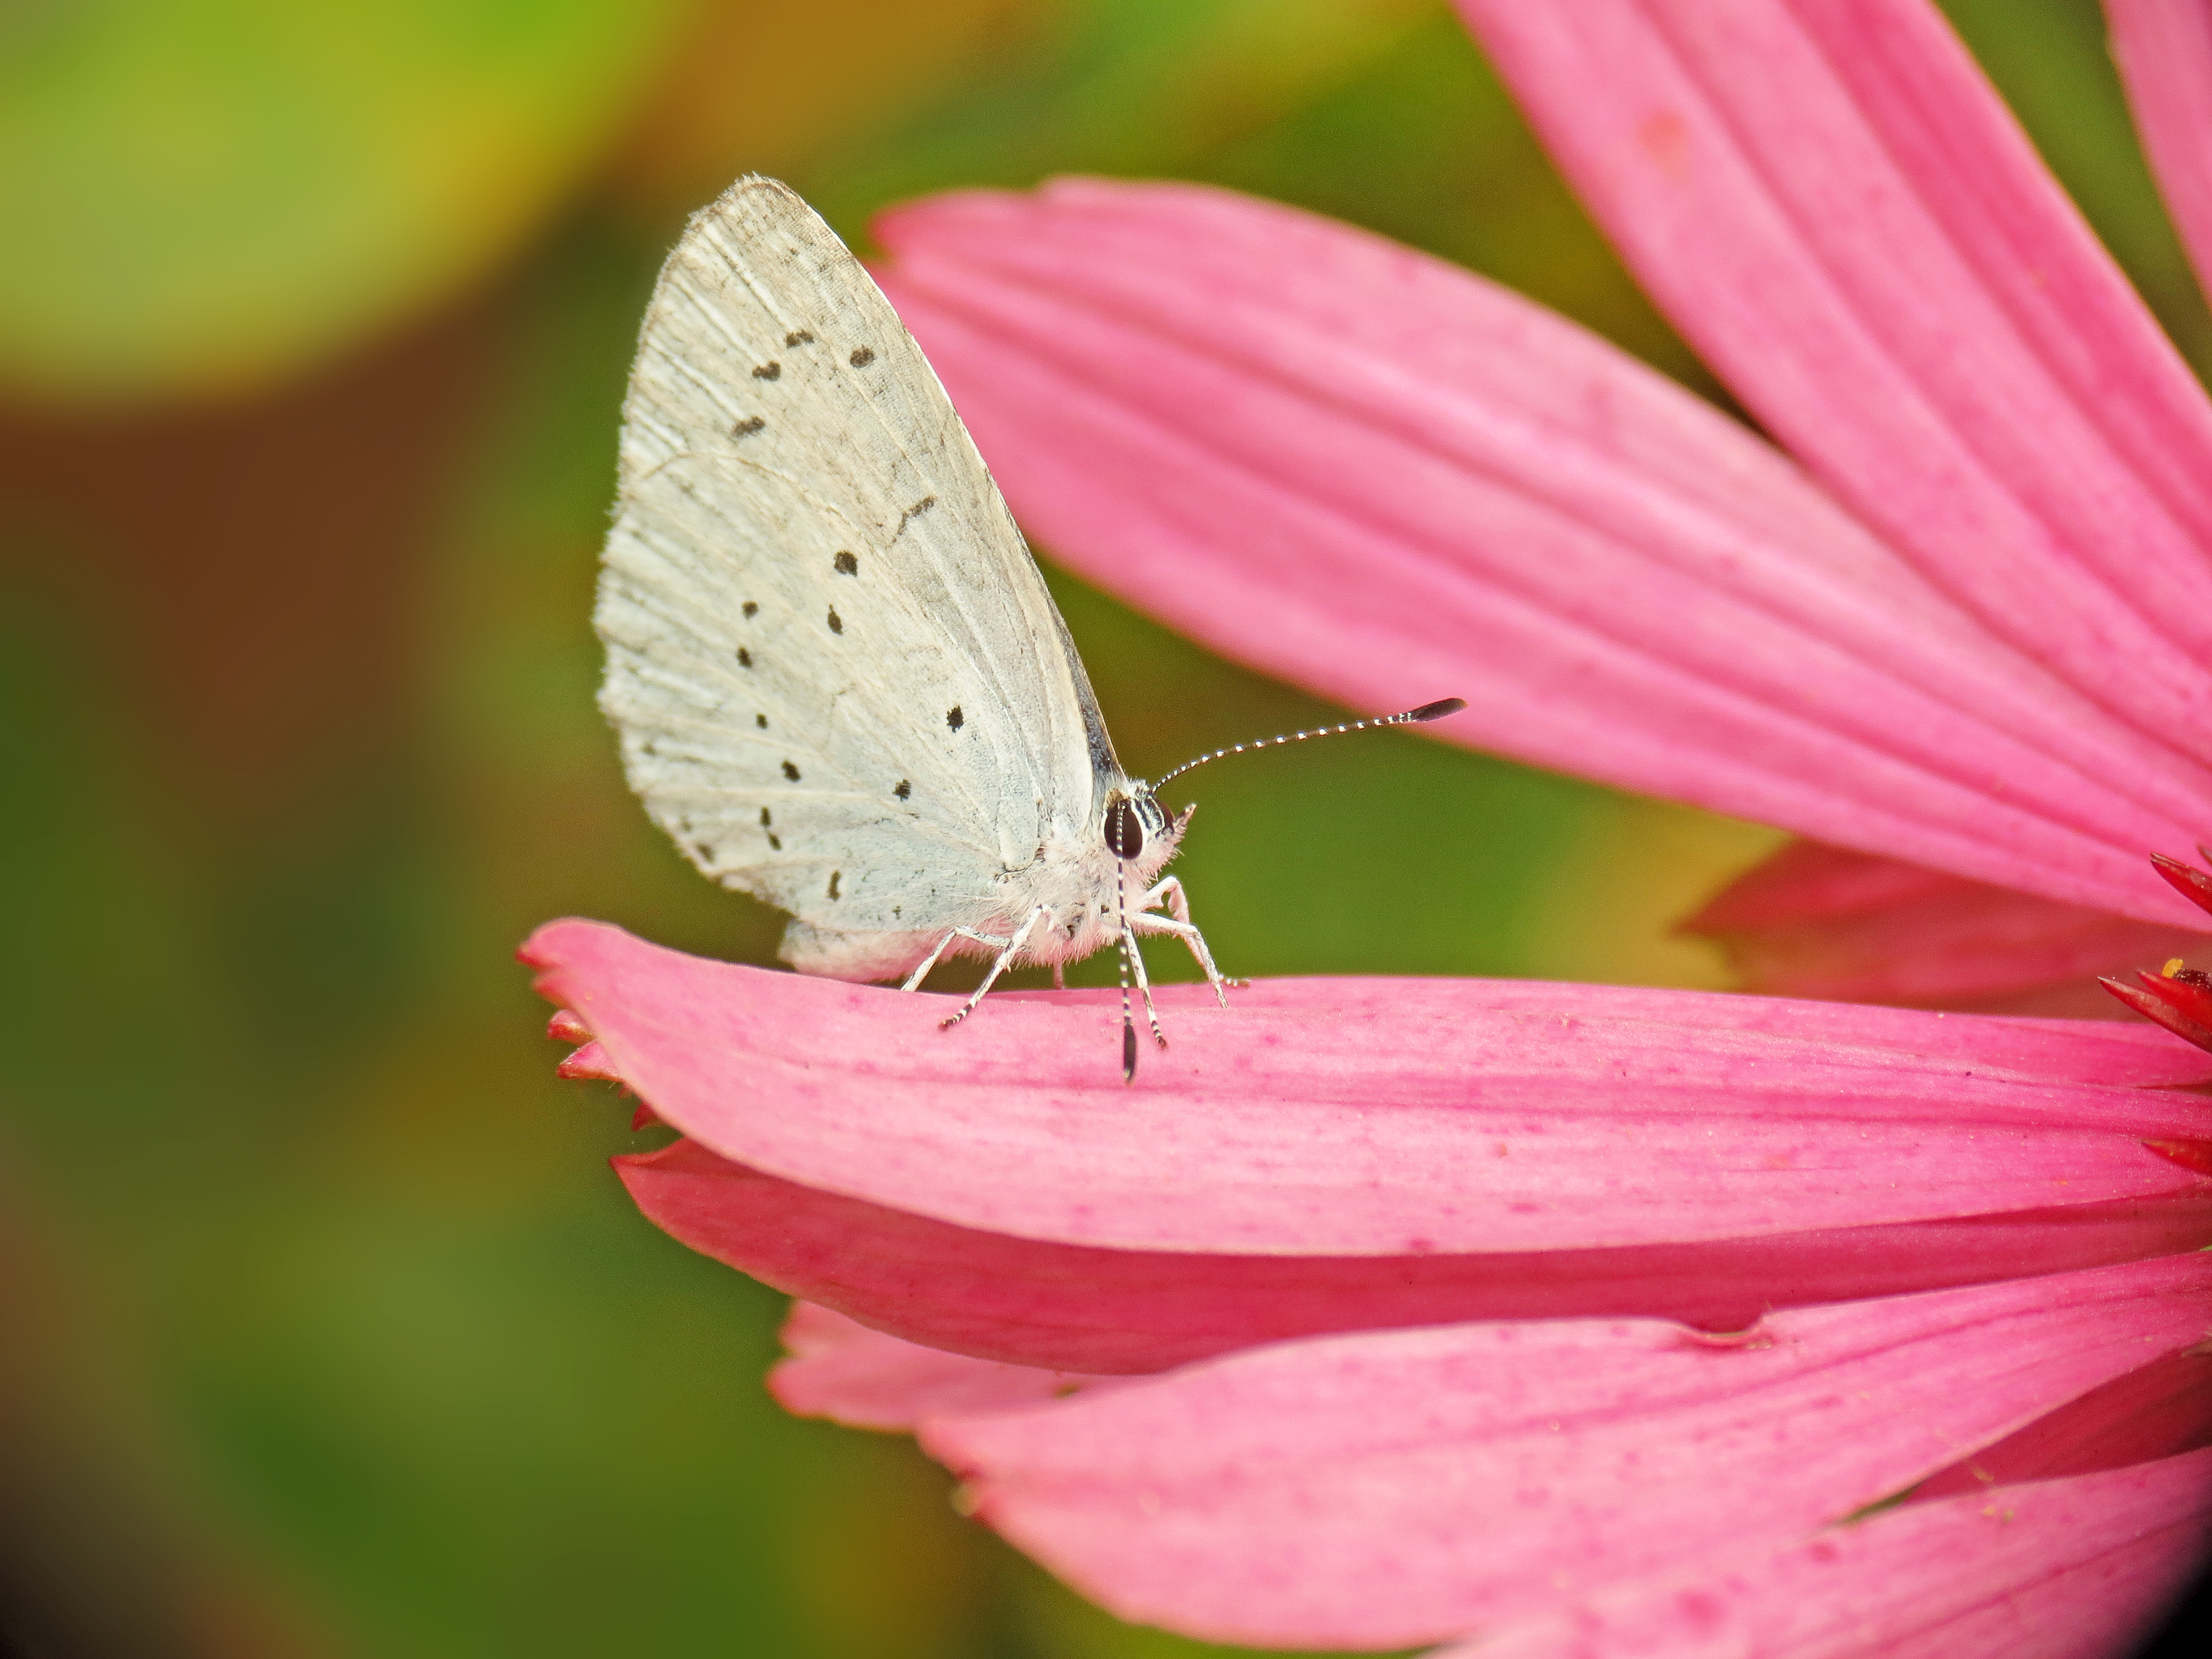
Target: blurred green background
[[327, 1330]]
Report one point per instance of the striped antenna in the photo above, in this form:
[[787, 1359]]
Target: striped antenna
[[1427, 711], [1128, 1026]]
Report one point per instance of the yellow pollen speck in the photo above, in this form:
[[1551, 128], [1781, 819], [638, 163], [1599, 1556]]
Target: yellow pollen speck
[[2172, 967]]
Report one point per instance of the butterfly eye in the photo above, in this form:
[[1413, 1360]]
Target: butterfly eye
[[1125, 829]]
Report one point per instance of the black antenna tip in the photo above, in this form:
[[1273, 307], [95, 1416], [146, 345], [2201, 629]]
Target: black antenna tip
[[1435, 711], [1128, 1053]]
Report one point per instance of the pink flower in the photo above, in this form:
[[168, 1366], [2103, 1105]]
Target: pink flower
[[1573, 1319], [1477, 1274]]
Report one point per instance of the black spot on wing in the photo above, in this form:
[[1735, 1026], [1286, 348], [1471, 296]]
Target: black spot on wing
[[764, 817], [861, 357], [834, 874], [846, 565], [903, 789], [746, 427], [745, 657], [837, 622], [750, 609], [769, 371], [954, 718], [774, 844], [790, 771], [913, 512], [760, 721], [797, 337]]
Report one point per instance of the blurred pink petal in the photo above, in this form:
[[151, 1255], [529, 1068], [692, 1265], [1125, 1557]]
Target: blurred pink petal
[[1814, 920], [2075, 1569], [1342, 1117], [1832, 203], [2164, 49], [839, 1370], [1376, 474], [1078, 1308], [1388, 1489]]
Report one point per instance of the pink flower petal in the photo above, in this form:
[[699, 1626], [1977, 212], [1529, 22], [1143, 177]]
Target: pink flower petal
[[1380, 1490], [2164, 49], [1836, 210], [1346, 1117], [1815, 921], [865, 1380], [1365, 469], [2075, 1568], [1078, 1308]]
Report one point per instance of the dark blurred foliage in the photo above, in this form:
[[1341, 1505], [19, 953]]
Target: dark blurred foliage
[[328, 1331]]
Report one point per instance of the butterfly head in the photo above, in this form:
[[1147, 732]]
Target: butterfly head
[[1137, 830]]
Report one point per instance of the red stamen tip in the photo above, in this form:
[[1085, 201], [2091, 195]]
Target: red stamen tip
[[2193, 884], [2182, 1008]]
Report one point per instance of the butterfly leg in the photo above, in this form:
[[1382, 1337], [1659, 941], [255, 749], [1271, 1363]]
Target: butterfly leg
[[1006, 955], [1060, 976], [1170, 892], [914, 979], [1144, 982]]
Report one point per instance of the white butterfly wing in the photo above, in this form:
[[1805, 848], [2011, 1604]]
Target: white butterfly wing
[[839, 681]]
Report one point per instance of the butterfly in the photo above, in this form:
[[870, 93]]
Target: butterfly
[[838, 677]]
